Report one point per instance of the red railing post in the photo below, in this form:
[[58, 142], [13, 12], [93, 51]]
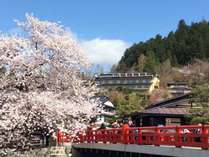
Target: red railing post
[[109, 136], [157, 136], [85, 136], [59, 137], [81, 137], [104, 136], [88, 136], [120, 136], [178, 137], [139, 136], [96, 137], [133, 135], [114, 137], [204, 137], [99, 138]]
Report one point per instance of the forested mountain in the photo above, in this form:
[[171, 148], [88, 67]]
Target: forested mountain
[[181, 47]]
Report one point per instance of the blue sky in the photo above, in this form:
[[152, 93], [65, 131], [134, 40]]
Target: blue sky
[[106, 28]]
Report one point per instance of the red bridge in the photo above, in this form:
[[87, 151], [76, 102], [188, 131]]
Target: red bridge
[[188, 135], [192, 136]]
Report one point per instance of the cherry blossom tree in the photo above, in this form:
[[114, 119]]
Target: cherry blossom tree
[[41, 85]]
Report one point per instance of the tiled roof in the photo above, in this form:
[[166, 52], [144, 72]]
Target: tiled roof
[[170, 102], [177, 83], [103, 100], [164, 110]]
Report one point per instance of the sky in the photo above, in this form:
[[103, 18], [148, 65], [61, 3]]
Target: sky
[[105, 28]]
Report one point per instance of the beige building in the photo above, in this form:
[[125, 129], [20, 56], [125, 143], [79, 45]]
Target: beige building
[[137, 81]]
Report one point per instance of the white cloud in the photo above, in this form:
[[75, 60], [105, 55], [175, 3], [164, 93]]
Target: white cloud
[[104, 51]]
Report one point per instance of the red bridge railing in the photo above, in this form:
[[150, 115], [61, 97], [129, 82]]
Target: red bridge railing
[[188, 135]]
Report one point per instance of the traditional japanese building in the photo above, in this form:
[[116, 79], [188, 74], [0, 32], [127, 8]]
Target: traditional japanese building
[[172, 111], [137, 81], [178, 88], [107, 106]]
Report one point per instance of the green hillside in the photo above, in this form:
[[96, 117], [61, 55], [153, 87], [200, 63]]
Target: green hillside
[[181, 47]]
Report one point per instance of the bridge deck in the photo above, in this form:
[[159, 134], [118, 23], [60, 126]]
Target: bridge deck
[[146, 149]]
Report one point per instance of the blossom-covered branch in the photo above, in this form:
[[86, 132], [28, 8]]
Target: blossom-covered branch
[[40, 81]]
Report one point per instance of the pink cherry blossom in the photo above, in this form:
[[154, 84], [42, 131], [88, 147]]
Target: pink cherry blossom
[[41, 85]]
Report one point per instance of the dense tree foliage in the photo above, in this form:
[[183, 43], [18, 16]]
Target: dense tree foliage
[[200, 100], [127, 101], [180, 47]]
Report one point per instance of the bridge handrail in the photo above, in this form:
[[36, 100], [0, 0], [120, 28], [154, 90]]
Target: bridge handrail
[[185, 135]]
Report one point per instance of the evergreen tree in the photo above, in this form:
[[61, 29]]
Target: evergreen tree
[[200, 99], [181, 47], [150, 62], [141, 63]]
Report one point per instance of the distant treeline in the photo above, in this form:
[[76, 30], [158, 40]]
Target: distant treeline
[[181, 47]]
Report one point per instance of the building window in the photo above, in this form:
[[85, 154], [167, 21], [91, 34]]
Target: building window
[[118, 81], [123, 75], [137, 81], [103, 82], [130, 81], [144, 81], [110, 81]]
